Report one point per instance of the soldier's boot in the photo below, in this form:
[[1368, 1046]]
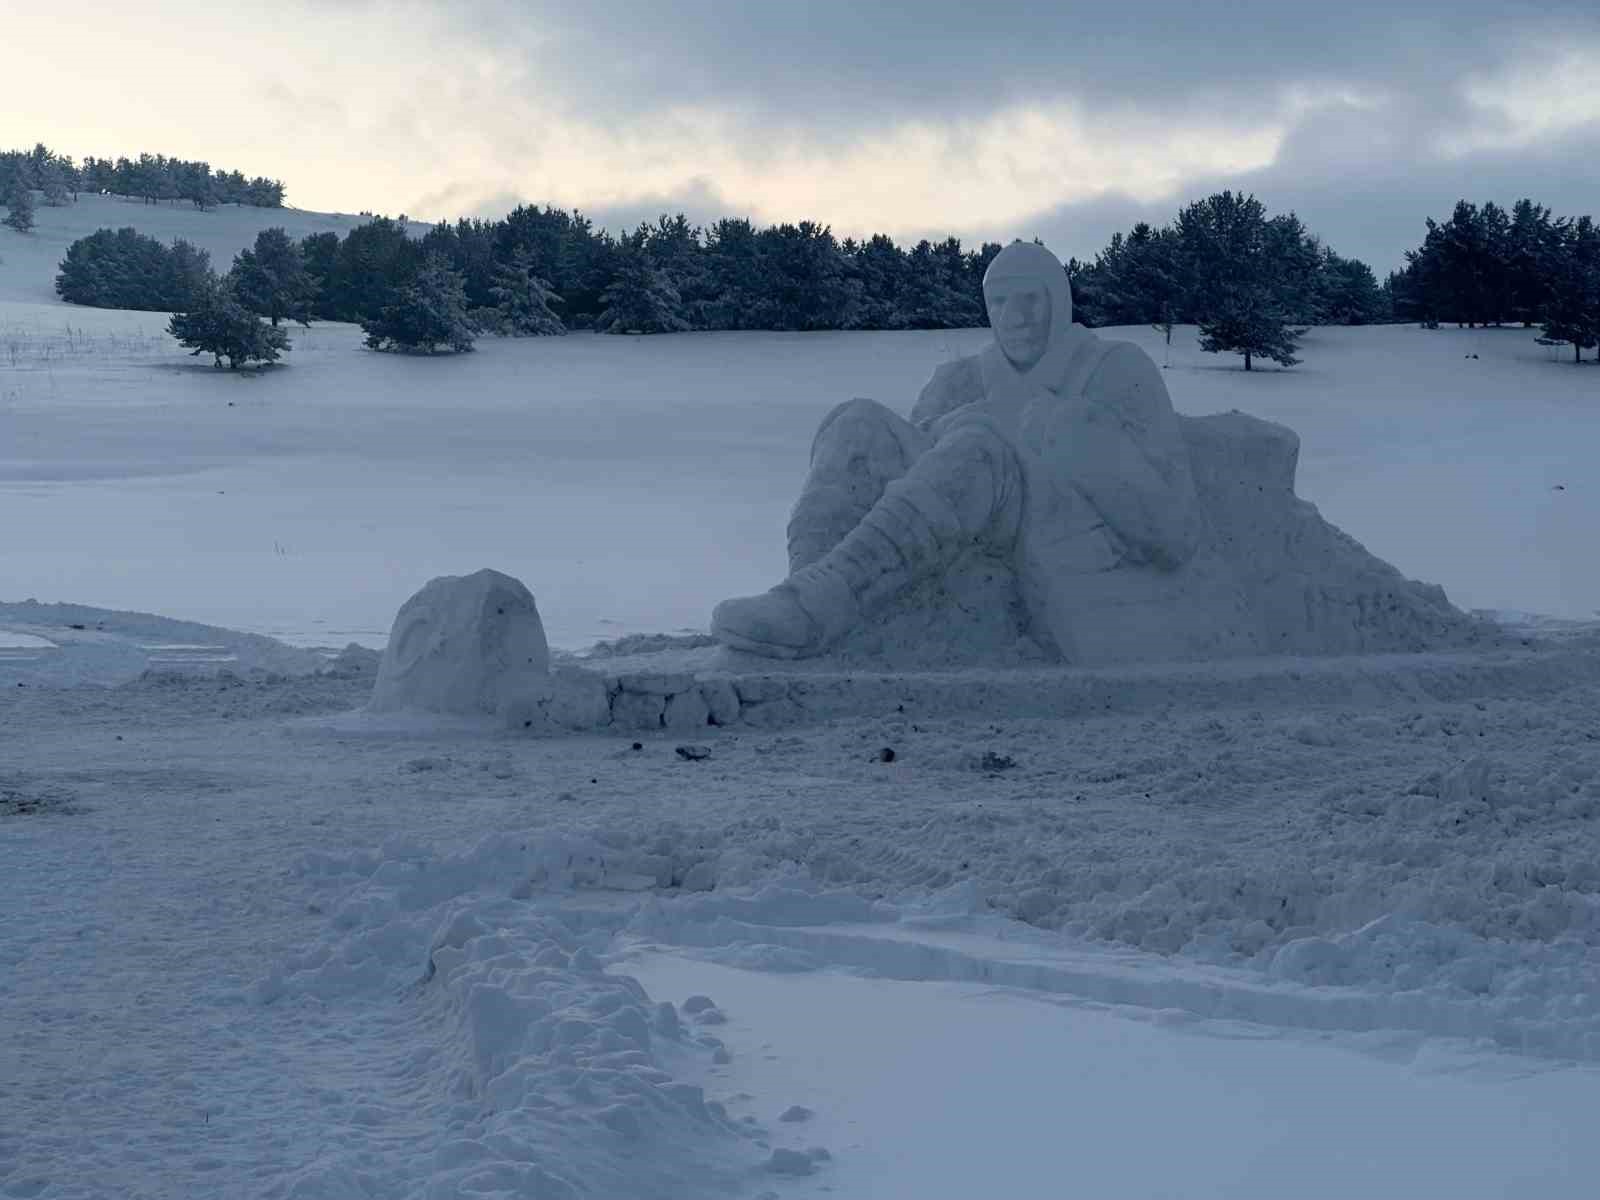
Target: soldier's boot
[[860, 448], [910, 533]]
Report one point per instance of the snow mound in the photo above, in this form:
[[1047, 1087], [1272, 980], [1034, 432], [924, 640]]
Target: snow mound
[[464, 644], [66, 644], [534, 1071]]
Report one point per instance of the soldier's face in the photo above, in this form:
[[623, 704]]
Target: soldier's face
[[1019, 314]]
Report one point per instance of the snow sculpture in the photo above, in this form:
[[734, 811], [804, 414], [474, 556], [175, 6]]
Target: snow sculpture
[[1045, 499], [466, 645]]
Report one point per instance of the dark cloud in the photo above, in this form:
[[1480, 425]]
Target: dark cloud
[[1363, 171], [851, 63], [1374, 214]]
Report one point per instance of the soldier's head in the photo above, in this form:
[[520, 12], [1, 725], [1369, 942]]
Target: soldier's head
[[1025, 290]]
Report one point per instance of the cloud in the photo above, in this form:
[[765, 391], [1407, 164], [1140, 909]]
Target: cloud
[[988, 121], [1551, 91]]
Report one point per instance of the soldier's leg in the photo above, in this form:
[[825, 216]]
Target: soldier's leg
[[860, 448], [963, 490]]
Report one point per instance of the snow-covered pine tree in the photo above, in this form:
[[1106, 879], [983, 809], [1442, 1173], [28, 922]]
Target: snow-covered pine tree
[[1248, 321], [639, 299], [53, 183], [1239, 294], [429, 312], [188, 275], [220, 325], [271, 278], [19, 208], [524, 300], [1571, 268]]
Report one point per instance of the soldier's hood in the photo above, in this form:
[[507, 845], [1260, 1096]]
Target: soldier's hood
[[1031, 261]]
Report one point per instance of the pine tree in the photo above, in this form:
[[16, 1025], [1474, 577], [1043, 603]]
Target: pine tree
[[126, 269], [374, 261], [1348, 292], [1291, 267], [1572, 275], [188, 276], [19, 208], [640, 299], [881, 274], [53, 183], [1134, 281], [523, 299], [675, 248], [1239, 290], [1528, 247], [428, 312], [271, 279], [1246, 321], [930, 298], [734, 271], [220, 325]]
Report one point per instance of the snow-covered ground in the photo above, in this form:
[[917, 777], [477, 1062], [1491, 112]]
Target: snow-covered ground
[[1256, 930], [634, 482], [1321, 949]]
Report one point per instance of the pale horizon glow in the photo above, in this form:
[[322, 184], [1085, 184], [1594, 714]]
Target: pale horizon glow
[[448, 110]]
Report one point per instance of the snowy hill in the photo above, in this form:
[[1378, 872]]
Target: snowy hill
[[28, 262]]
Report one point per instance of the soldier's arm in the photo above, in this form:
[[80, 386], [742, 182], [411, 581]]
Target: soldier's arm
[[953, 385], [1132, 462]]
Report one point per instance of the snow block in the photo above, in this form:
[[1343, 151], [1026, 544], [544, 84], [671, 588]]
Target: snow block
[[1309, 587], [570, 699], [687, 711], [466, 645]]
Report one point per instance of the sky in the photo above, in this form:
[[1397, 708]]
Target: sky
[[1065, 121]]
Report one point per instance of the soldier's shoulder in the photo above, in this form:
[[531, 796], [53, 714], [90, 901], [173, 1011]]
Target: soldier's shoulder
[[1113, 362], [952, 385], [964, 372], [1118, 352]]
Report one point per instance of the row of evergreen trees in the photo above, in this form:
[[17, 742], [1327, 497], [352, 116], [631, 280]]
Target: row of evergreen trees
[[128, 269], [664, 276], [541, 271], [1224, 265], [1249, 281], [150, 177], [1153, 276], [1485, 266]]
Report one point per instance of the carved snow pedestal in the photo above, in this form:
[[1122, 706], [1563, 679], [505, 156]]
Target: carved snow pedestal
[[473, 646]]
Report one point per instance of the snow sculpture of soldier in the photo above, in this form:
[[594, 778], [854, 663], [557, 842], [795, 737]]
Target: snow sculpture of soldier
[[1054, 449]]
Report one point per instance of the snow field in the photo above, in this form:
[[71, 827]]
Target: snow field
[[278, 959]]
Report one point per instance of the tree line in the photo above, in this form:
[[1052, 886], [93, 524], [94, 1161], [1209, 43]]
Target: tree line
[[1252, 282], [150, 177], [1487, 266], [667, 275], [1246, 279]]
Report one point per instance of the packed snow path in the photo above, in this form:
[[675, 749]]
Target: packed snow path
[[946, 1091]]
